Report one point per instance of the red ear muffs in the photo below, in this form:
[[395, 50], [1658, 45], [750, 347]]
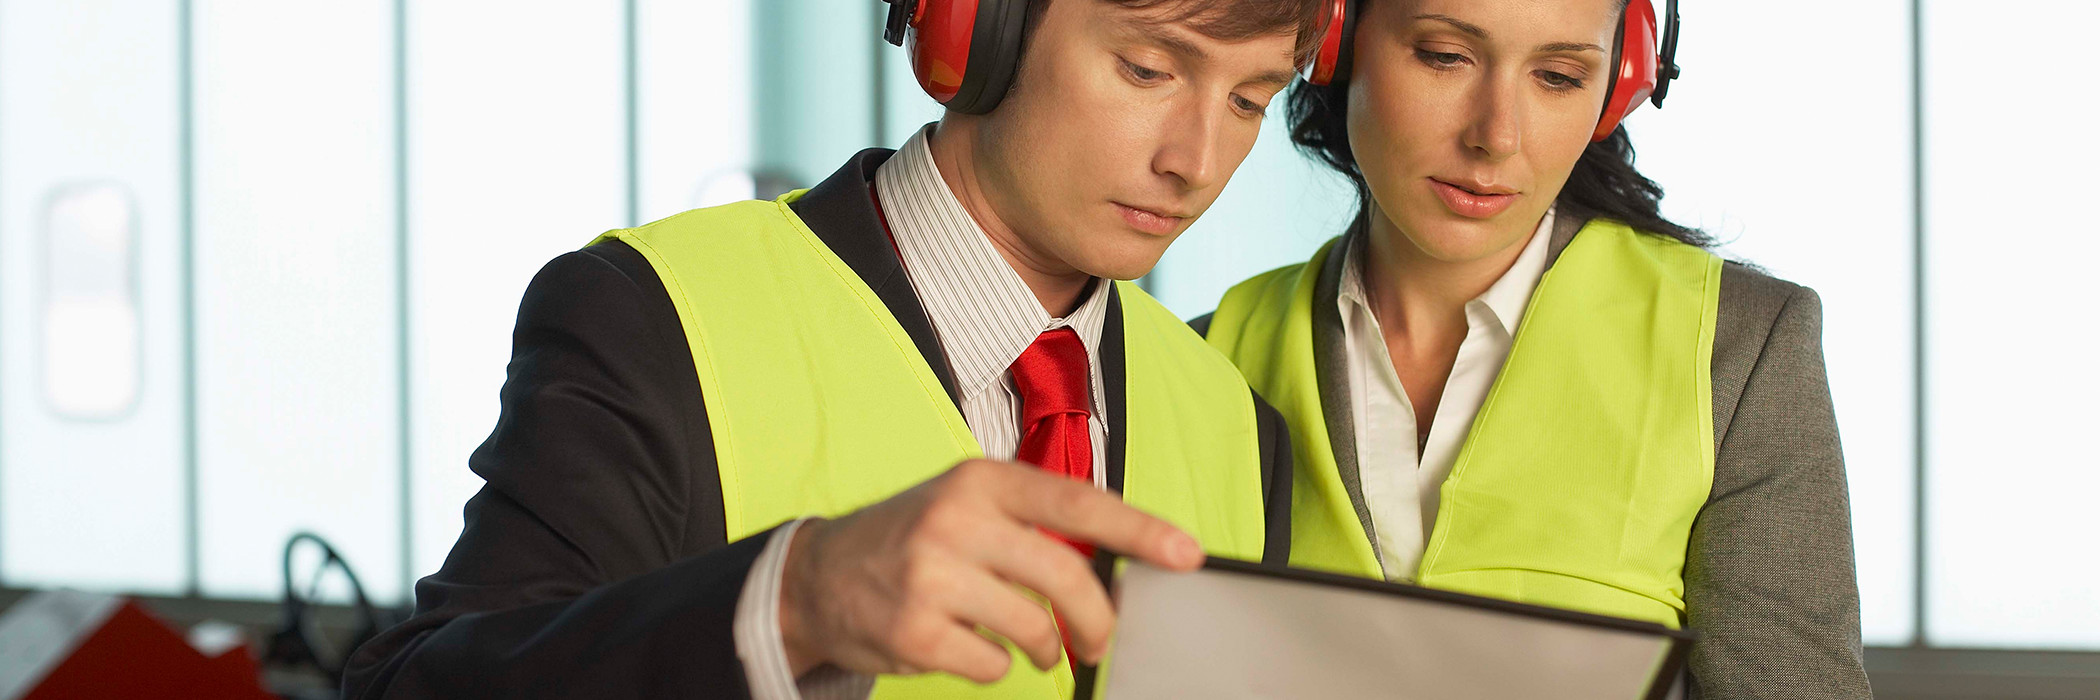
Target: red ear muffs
[[964, 52], [1637, 51], [1335, 34], [1644, 55]]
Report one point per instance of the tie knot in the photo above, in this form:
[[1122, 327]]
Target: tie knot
[[1051, 376]]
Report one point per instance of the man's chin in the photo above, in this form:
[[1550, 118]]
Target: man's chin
[[1128, 266]]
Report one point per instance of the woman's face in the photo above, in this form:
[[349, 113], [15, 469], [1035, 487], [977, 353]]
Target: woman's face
[[1467, 116]]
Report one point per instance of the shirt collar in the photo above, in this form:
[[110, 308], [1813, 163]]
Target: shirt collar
[[983, 312], [1505, 301]]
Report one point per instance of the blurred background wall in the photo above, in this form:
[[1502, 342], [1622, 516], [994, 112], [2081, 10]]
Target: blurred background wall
[[259, 261]]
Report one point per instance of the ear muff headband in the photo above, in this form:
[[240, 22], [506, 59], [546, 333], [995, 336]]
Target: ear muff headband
[[964, 52], [1645, 58]]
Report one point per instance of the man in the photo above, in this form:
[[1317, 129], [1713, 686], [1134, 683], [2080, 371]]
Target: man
[[689, 400]]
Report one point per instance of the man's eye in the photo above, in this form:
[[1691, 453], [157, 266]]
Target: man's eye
[[1143, 74], [1249, 106]]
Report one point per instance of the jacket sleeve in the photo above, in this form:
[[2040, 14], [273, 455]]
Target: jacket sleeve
[[1276, 474], [592, 562], [1769, 574], [1276, 477], [1201, 324]]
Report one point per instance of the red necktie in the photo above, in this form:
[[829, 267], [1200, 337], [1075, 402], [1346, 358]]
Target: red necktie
[[1051, 376]]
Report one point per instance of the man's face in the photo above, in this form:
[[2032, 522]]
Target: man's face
[[1120, 131]]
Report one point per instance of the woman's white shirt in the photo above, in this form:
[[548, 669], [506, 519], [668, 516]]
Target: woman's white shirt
[[1401, 484]]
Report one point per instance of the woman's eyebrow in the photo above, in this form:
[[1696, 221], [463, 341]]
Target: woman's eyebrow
[[1459, 24], [1478, 33], [1569, 46]]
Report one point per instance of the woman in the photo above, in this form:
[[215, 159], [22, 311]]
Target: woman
[[1513, 377]]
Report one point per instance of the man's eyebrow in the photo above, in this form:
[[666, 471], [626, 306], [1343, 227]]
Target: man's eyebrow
[[1195, 53], [1461, 25], [1173, 44], [1277, 78]]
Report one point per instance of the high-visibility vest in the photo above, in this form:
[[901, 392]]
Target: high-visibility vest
[[1589, 459], [819, 402]]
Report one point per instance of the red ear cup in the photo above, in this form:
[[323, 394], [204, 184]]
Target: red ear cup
[[965, 52], [940, 45], [1638, 55], [1334, 43]]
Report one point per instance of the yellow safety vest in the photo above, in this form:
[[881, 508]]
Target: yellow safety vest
[[820, 404], [1587, 463]]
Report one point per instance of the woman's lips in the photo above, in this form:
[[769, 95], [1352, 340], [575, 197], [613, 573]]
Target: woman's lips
[[1471, 204]]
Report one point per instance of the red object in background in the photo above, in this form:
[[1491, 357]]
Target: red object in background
[[128, 653]]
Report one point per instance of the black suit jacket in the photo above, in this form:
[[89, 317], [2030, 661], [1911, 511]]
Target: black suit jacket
[[594, 562]]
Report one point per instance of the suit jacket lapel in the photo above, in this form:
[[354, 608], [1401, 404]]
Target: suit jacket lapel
[[1113, 390], [1567, 221], [1331, 365]]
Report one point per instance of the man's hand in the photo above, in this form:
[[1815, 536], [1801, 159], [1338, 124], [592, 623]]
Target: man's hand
[[902, 586]]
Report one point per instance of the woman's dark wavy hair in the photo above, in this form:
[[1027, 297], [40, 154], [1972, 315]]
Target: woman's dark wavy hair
[[1604, 183]]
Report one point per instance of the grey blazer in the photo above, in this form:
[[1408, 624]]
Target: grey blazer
[[1769, 582]]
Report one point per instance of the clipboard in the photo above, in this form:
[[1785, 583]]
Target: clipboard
[[1234, 630]]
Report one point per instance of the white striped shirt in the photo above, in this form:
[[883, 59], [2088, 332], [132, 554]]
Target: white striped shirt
[[984, 316]]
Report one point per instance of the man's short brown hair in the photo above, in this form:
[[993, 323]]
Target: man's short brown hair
[[1227, 20]]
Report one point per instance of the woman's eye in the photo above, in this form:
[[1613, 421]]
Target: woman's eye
[[1249, 106], [1439, 59], [1143, 74], [1559, 81]]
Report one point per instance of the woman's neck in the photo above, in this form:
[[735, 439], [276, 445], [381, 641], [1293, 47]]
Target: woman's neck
[[1420, 297], [1420, 303]]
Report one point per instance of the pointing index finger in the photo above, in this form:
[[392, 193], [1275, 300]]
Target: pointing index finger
[[1082, 512]]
